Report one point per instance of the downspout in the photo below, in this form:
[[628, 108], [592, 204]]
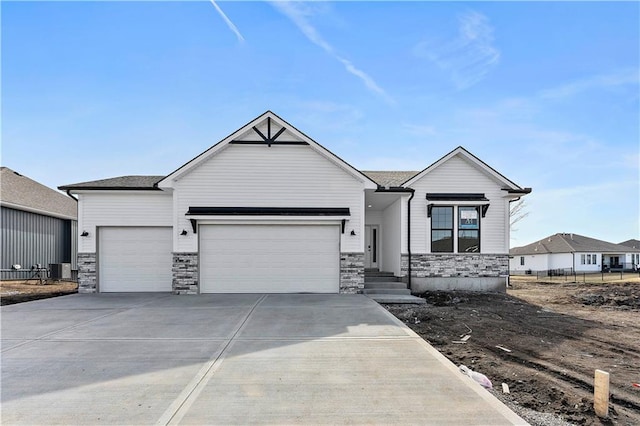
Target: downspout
[[413, 192], [70, 195]]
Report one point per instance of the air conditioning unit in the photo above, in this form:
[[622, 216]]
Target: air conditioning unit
[[60, 271]]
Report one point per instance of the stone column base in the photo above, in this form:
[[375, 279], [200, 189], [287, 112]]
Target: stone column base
[[185, 273], [87, 277], [351, 273]]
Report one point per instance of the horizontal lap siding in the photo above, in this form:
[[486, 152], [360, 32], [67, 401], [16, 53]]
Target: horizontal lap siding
[[276, 176], [459, 176], [121, 209]]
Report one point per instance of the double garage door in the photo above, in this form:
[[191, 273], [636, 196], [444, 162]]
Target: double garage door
[[269, 258], [232, 259]]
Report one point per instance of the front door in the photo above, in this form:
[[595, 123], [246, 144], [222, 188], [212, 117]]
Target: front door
[[371, 241]]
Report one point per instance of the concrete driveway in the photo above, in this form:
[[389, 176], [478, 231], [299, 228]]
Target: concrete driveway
[[228, 359]]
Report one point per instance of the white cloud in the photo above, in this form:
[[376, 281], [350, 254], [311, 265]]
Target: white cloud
[[230, 24], [605, 81], [470, 56], [299, 13]]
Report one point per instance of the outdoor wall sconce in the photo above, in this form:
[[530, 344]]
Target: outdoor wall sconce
[[84, 234], [16, 267], [184, 232], [353, 232]]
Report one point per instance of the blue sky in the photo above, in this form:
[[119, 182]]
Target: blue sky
[[547, 93]]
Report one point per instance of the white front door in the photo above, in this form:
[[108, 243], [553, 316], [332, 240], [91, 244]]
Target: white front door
[[371, 246]]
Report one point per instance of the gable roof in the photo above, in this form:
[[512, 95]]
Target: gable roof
[[389, 178], [508, 185], [21, 193], [117, 183], [250, 132], [631, 243], [571, 243]]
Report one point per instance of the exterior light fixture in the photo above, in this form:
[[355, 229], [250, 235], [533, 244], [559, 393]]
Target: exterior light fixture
[[353, 232], [84, 234], [184, 232]]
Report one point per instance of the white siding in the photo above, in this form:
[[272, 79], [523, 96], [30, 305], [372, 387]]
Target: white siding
[[392, 237], [459, 176], [536, 262], [124, 208], [276, 176], [561, 260]]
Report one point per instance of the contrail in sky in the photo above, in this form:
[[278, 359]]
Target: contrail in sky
[[230, 24]]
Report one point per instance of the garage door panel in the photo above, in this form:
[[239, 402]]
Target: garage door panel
[[135, 259], [269, 258]]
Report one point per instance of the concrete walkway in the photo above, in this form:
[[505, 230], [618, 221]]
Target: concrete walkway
[[228, 359]]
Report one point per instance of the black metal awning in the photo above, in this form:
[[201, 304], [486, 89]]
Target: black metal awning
[[268, 211], [456, 197]]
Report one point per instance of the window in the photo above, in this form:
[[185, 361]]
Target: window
[[468, 230], [521, 260], [442, 230], [583, 260]]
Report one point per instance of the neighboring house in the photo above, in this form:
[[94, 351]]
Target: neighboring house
[[268, 209], [39, 225], [575, 253]]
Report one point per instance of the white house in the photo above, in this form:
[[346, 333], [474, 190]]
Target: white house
[[268, 209], [573, 252]]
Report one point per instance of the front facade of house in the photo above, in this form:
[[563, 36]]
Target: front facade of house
[[269, 210], [569, 253]]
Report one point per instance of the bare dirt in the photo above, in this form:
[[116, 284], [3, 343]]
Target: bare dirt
[[554, 337], [24, 291]]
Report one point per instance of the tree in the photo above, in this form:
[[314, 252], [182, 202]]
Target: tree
[[517, 213]]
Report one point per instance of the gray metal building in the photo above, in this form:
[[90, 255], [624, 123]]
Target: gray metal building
[[38, 225]]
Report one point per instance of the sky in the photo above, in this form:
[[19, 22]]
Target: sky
[[547, 93]]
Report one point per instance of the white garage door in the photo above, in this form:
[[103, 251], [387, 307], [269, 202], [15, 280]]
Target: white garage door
[[134, 259], [269, 258]]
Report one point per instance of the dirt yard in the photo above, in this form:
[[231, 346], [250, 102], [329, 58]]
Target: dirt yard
[[24, 291], [545, 341]]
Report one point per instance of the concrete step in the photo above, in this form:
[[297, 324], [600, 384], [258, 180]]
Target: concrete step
[[394, 298], [381, 279], [378, 273], [397, 285], [398, 291]]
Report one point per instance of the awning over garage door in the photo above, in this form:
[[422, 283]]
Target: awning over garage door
[[269, 258], [132, 259]]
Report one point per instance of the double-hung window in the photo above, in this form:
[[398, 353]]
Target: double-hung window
[[442, 229], [466, 229]]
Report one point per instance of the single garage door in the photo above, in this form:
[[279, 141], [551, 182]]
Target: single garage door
[[134, 259], [269, 258]]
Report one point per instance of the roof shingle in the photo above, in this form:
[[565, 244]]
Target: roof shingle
[[19, 191]]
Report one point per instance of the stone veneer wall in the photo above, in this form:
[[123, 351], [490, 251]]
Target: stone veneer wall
[[185, 273], [87, 277], [450, 265], [351, 272]]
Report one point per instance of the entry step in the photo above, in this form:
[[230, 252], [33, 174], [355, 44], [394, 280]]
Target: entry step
[[400, 299]]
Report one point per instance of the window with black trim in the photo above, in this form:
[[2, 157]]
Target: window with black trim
[[468, 230], [442, 229]]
